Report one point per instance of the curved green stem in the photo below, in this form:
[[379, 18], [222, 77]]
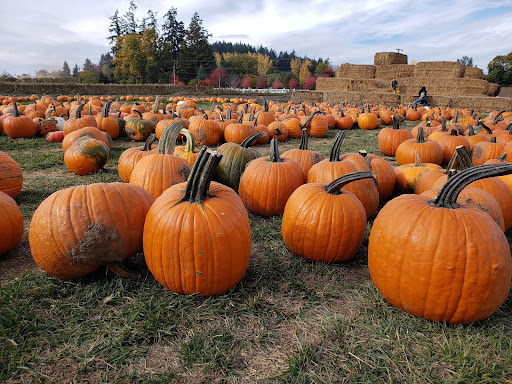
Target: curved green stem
[[335, 186], [335, 149]]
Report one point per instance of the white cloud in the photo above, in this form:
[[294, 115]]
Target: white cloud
[[348, 31]]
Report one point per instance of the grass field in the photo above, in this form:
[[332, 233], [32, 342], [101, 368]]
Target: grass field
[[288, 321]]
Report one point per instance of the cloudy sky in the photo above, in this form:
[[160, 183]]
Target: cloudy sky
[[42, 36]]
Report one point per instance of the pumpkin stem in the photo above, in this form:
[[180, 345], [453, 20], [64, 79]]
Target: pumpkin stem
[[498, 117], [421, 136], [489, 130], [456, 116], [167, 141], [417, 162], [451, 164], [335, 186], [464, 157], [335, 149], [471, 130], [306, 122], [454, 132], [120, 269], [105, 109], [201, 176], [156, 105], [502, 157], [248, 140], [138, 113], [190, 144], [274, 152], [149, 142], [509, 128], [304, 140], [493, 139], [447, 196], [443, 124], [396, 122]]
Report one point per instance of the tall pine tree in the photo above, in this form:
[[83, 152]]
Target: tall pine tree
[[65, 69], [195, 50], [76, 71]]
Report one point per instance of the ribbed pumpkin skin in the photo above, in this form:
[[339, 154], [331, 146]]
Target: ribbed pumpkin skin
[[11, 175], [477, 198], [236, 133], [389, 140], [318, 127], [77, 229], [467, 281], [320, 226], [108, 125], [95, 132], [11, 223], [76, 124], [385, 174], [429, 151], [499, 190], [206, 132], [368, 121], [157, 172], [198, 249], [326, 171], [86, 155], [265, 186], [139, 129], [234, 160], [129, 158], [305, 158]]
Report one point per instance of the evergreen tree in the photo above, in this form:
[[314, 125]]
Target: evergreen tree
[[76, 71], [201, 73], [87, 65], [466, 60], [65, 69], [195, 50], [116, 29], [173, 32], [130, 22]]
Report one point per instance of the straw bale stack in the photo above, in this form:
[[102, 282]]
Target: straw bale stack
[[473, 73], [394, 71], [354, 71], [439, 69], [380, 98], [386, 58], [482, 103], [307, 96], [343, 97]]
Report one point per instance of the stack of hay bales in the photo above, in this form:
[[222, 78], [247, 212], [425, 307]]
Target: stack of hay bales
[[447, 83]]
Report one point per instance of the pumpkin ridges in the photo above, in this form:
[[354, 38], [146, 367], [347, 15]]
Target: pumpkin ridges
[[11, 175], [11, 224]]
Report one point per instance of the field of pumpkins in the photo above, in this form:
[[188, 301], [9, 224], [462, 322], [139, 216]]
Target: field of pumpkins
[[418, 201]]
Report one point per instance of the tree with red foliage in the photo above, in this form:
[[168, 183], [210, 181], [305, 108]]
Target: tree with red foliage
[[327, 72], [205, 83], [218, 77], [309, 83], [293, 84], [174, 78], [277, 84], [246, 82], [261, 82]]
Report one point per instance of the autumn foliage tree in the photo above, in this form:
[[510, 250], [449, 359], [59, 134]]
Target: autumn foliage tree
[[293, 84]]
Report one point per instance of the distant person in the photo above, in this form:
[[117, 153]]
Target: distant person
[[422, 97], [394, 84]]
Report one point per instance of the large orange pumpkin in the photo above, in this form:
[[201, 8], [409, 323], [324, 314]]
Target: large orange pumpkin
[[11, 175], [438, 259], [77, 229], [11, 223], [197, 235]]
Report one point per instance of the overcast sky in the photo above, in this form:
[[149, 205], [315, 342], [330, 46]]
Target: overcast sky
[[43, 35]]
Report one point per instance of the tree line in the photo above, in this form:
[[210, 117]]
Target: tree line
[[146, 51]]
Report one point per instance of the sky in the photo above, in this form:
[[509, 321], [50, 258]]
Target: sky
[[41, 36]]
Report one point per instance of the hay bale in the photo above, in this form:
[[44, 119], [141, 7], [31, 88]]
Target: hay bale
[[492, 89], [473, 73], [342, 97], [380, 98], [307, 96], [482, 103], [394, 71], [355, 71], [386, 58], [439, 69], [444, 86]]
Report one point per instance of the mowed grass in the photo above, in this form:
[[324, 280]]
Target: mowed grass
[[287, 321]]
